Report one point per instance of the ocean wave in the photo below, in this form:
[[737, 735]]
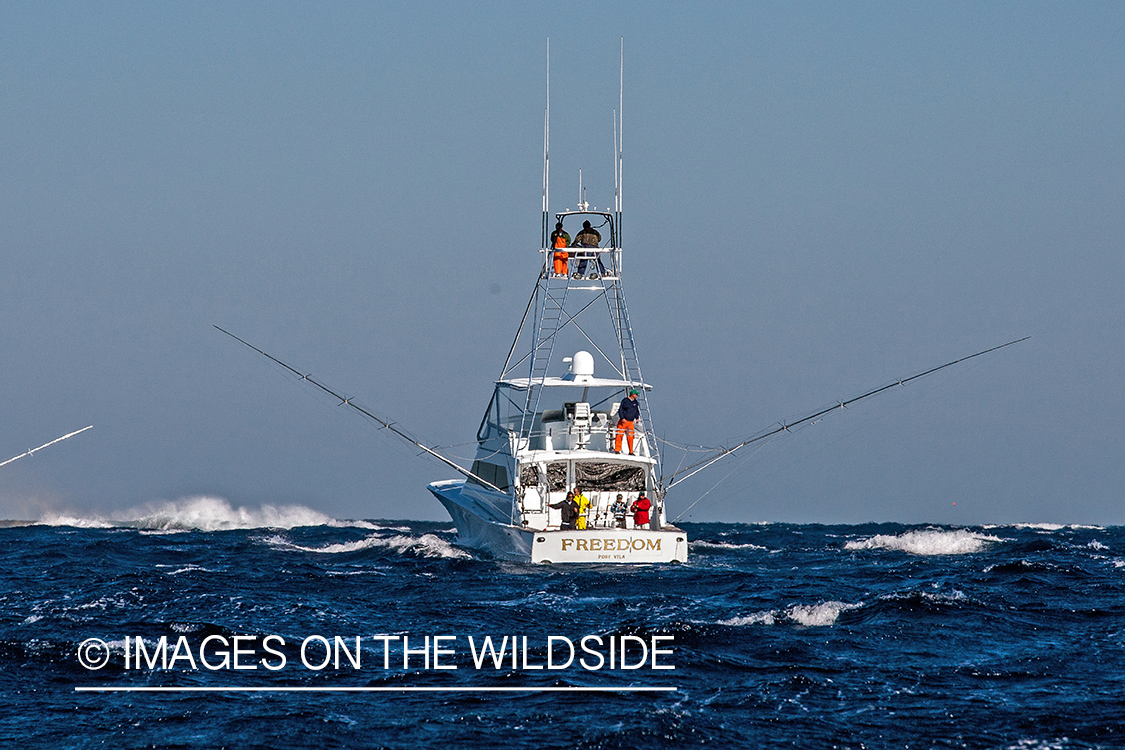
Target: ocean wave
[[725, 545], [427, 545], [1035, 744], [1044, 526], [928, 542], [281, 542], [203, 513], [78, 522], [186, 569], [807, 615]]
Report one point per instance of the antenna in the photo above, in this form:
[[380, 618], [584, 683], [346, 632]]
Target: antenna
[[621, 104], [620, 136], [547, 158]]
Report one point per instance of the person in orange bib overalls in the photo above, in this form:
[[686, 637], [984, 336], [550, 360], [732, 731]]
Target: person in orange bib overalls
[[627, 414], [560, 240]]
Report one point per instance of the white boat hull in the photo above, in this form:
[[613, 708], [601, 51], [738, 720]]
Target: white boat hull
[[479, 527]]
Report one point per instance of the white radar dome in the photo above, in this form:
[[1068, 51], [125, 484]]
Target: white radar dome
[[582, 365]]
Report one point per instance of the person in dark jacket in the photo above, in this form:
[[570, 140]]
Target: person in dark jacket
[[627, 415], [569, 510], [640, 511], [588, 237]]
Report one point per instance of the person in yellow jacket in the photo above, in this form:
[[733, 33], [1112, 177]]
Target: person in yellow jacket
[[583, 504]]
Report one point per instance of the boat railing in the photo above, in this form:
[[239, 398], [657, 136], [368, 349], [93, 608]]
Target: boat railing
[[599, 515], [581, 257], [596, 432]]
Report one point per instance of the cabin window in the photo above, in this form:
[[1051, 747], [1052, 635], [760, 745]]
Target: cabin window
[[596, 475], [497, 475], [529, 475], [556, 476]]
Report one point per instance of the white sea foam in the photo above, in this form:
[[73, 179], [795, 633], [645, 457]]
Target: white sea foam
[[328, 549], [928, 542], [216, 514], [1044, 526], [200, 513], [1033, 744], [189, 569], [725, 545], [427, 545], [89, 522], [808, 615]]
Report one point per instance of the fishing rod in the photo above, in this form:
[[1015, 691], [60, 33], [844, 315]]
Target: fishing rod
[[56, 440], [345, 401], [699, 466]]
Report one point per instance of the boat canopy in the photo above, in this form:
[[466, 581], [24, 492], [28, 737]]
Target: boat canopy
[[521, 384]]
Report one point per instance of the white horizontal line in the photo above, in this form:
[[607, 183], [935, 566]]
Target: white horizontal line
[[405, 689]]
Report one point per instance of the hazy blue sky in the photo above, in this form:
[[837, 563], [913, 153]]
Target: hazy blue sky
[[819, 198]]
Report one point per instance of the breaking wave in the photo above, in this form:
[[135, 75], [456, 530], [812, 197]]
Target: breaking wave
[[928, 542], [807, 615], [725, 545], [200, 514], [426, 545]]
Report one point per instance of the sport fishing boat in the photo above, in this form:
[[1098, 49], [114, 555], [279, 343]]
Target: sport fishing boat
[[552, 425]]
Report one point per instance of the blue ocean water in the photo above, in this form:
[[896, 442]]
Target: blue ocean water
[[780, 635]]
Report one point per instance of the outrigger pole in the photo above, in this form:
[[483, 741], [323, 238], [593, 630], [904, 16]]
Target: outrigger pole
[[345, 401], [56, 440], [701, 465]]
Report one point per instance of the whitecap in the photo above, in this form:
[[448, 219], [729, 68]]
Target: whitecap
[[818, 615], [427, 545], [1033, 744], [58, 519], [328, 549], [202, 513], [807, 615], [928, 542], [725, 545], [758, 618]]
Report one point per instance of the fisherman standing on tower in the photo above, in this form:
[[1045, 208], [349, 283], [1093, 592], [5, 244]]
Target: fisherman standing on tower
[[559, 241], [627, 415], [588, 237]]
